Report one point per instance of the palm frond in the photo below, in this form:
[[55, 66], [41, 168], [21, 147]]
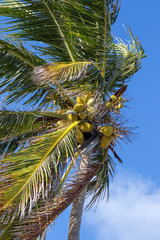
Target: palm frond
[[16, 122], [100, 183], [72, 29], [126, 62], [18, 128], [16, 63], [32, 225], [38, 21], [113, 69], [67, 74], [96, 8], [27, 174]]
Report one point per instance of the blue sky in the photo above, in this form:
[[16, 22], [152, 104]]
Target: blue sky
[[133, 209]]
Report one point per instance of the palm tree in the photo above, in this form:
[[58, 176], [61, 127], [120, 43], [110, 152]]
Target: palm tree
[[59, 59]]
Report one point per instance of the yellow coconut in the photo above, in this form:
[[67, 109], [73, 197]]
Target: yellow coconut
[[120, 105], [72, 117], [107, 130], [86, 127], [120, 99], [105, 141], [114, 98], [79, 137], [109, 104], [80, 100], [79, 107]]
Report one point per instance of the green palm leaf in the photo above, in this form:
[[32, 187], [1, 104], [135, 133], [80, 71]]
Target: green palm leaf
[[72, 29], [100, 183], [66, 74], [126, 62], [13, 123], [31, 169], [16, 63], [18, 128], [41, 23]]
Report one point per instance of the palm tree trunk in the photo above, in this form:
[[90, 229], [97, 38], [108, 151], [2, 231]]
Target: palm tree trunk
[[77, 206]]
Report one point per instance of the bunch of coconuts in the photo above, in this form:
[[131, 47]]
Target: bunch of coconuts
[[115, 103], [83, 110]]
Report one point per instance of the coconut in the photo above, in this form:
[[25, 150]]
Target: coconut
[[105, 141], [72, 117], [87, 96], [82, 115], [86, 127], [79, 137], [107, 130], [79, 107], [90, 117], [109, 104], [120, 105], [120, 99], [80, 100], [114, 98]]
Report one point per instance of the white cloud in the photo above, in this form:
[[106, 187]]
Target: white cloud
[[133, 211]]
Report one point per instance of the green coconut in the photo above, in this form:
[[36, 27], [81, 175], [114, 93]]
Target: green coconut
[[120, 105], [107, 130], [86, 127], [72, 117], [120, 99], [114, 98], [80, 100], [79, 107], [109, 104], [105, 141], [79, 137]]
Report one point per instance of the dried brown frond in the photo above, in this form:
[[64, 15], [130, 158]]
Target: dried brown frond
[[121, 91]]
